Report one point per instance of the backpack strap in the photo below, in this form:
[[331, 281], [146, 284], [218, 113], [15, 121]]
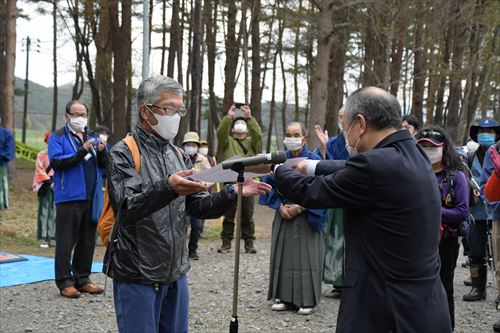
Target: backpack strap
[[470, 158], [132, 145], [450, 180]]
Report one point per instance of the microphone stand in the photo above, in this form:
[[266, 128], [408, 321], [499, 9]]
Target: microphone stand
[[239, 168]]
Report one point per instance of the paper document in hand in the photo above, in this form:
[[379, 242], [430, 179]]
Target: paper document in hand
[[218, 175]]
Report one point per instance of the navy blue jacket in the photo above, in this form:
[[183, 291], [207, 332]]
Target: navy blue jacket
[[66, 158], [392, 215], [7, 146]]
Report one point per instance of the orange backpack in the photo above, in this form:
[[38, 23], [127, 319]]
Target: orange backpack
[[107, 219]]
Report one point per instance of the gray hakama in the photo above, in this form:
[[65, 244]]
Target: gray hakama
[[297, 259]]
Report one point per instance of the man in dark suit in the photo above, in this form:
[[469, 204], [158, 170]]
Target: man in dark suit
[[392, 218]]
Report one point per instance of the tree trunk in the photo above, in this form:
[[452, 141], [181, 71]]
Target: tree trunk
[[211, 28], [232, 51], [163, 36], [419, 73], [397, 52], [180, 39], [336, 67], [279, 49], [121, 51], [196, 68], [174, 38], [443, 72], [256, 92], [104, 67], [272, 109], [319, 92], [54, 60], [459, 37], [296, 50]]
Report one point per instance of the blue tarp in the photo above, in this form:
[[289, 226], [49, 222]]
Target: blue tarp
[[35, 269]]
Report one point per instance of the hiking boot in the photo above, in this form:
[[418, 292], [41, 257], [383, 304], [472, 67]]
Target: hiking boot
[[249, 246], [478, 278], [226, 246]]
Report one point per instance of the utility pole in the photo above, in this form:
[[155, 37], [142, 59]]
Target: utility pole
[[145, 41], [25, 112]]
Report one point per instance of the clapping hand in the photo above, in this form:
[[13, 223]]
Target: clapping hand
[[323, 139], [495, 158], [289, 211]]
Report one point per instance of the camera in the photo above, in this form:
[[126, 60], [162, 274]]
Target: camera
[[239, 105]]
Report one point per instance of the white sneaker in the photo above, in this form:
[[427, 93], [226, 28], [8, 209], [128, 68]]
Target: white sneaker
[[306, 311], [279, 306], [44, 245]]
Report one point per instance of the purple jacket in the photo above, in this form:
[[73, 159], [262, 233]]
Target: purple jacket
[[454, 215]]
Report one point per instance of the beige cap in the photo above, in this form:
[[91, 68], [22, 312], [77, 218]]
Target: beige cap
[[191, 137], [203, 142]]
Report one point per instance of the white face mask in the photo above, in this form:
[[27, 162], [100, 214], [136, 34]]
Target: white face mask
[[103, 137], [190, 150], [78, 124], [352, 151], [293, 143], [435, 154], [167, 126], [203, 151], [240, 128]]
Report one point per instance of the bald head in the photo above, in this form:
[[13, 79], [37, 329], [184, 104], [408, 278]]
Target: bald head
[[380, 109]]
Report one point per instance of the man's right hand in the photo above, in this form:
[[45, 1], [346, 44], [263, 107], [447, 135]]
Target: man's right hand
[[232, 111], [88, 144], [183, 186]]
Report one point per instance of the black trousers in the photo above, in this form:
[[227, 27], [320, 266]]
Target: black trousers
[[448, 251], [75, 233], [247, 223], [478, 240]]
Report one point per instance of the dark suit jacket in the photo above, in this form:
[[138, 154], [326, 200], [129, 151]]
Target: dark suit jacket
[[392, 214]]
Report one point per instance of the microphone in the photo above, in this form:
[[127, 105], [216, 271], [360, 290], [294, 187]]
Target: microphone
[[240, 163]]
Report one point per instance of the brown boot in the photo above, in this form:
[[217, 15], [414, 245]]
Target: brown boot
[[226, 246], [478, 278], [249, 246], [70, 292]]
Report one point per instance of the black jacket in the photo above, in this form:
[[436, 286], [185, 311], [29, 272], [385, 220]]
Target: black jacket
[[148, 244], [392, 214]]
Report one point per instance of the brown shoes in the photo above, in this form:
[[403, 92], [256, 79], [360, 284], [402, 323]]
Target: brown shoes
[[91, 288], [70, 292]]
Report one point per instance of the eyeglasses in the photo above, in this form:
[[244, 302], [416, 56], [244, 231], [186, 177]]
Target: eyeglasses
[[76, 115], [170, 110], [432, 135]]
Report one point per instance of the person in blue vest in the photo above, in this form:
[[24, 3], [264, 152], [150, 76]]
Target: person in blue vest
[[7, 154], [333, 148], [297, 243], [485, 134], [77, 161]]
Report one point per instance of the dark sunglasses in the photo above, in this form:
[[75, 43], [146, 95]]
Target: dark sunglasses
[[433, 135]]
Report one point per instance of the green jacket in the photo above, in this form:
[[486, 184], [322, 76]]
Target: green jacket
[[230, 146]]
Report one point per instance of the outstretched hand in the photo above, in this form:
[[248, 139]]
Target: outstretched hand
[[252, 187], [495, 158], [183, 186]]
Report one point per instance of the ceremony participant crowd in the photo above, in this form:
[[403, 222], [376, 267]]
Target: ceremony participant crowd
[[378, 211]]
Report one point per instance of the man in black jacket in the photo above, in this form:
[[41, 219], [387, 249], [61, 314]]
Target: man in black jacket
[[147, 254], [392, 216]]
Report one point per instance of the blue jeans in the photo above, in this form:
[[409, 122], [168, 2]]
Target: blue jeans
[[146, 308], [194, 236]]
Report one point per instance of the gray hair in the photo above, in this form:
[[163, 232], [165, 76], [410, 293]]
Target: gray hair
[[302, 127], [380, 109], [150, 89]]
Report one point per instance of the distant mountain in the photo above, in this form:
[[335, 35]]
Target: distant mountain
[[40, 102]]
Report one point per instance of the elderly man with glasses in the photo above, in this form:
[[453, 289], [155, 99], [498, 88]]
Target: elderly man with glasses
[[77, 161], [147, 256]]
